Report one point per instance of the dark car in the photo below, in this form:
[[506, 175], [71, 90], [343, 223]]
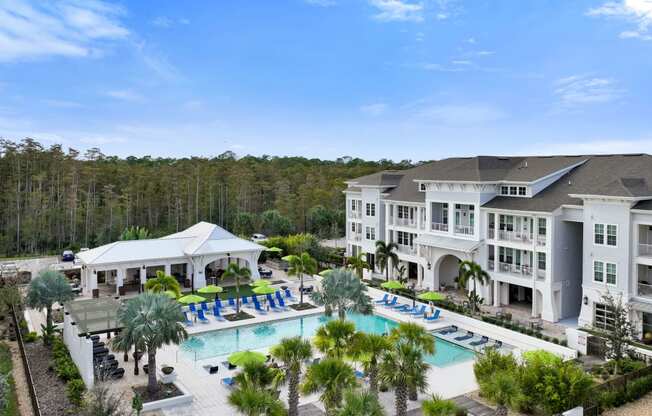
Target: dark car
[[68, 255]]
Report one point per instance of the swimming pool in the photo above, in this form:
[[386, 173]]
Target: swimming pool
[[260, 336]]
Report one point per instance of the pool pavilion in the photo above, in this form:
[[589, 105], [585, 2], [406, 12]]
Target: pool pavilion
[[193, 256]]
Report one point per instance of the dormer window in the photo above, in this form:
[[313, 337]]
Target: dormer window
[[522, 190], [504, 190], [513, 190], [422, 187]]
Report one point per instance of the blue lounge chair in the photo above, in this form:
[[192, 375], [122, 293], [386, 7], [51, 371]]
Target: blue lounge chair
[[278, 295], [421, 311], [479, 342], [192, 308], [288, 296], [201, 317], [400, 306], [433, 317], [498, 344], [392, 302], [281, 303], [359, 374], [272, 305], [232, 303], [383, 300], [217, 314], [204, 307], [468, 335], [228, 381], [218, 303], [407, 309], [258, 308], [451, 330], [186, 321], [245, 302]]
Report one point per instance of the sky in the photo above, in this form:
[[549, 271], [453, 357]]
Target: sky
[[396, 79]]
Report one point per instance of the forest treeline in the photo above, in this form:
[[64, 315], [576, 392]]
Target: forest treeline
[[53, 198]]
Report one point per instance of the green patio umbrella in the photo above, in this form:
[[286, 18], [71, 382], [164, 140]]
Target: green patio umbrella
[[274, 250], [393, 284], [264, 290], [326, 272], [211, 289], [191, 299], [287, 258], [241, 358], [170, 294], [260, 283], [431, 296]]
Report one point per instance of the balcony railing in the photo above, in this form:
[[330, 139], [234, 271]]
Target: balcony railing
[[515, 236], [645, 290], [520, 270], [645, 250], [541, 274], [464, 229], [439, 226], [491, 233], [541, 240], [490, 264], [407, 249], [405, 222], [356, 237], [355, 214]]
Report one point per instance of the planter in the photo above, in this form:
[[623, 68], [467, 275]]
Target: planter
[[167, 375]]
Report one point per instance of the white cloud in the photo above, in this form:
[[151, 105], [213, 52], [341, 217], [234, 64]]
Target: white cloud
[[31, 30], [484, 53], [184, 21], [321, 3], [461, 62], [162, 21], [460, 115], [397, 11], [374, 110], [638, 12], [125, 95], [61, 103], [578, 90]]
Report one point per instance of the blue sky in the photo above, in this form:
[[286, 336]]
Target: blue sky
[[376, 79]]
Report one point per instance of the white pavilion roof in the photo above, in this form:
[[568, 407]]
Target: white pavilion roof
[[201, 239]]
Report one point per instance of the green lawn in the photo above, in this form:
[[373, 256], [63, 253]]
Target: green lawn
[[11, 404], [229, 292]]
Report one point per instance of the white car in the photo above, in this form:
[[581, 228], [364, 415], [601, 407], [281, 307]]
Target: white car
[[257, 238]]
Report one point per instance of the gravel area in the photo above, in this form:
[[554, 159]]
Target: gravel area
[[22, 391], [642, 407], [50, 390]]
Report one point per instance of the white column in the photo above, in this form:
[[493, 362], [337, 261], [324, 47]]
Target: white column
[[419, 275], [143, 275], [167, 269], [119, 279], [253, 266], [451, 217], [496, 293]]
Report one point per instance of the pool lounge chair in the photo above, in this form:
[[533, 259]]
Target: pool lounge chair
[[186, 321], [383, 300], [218, 303], [217, 314], [204, 307], [193, 308], [392, 302], [228, 381], [479, 342], [232, 303], [259, 309], [281, 303], [245, 302], [288, 295], [497, 344], [433, 317], [468, 335], [201, 317], [278, 296], [421, 311], [450, 330], [272, 305], [402, 308], [359, 374]]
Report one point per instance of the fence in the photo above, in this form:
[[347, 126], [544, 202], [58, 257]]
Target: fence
[[592, 405], [28, 373]]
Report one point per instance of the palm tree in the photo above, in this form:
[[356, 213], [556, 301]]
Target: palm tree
[[403, 368], [502, 388], [358, 263], [335, 338], [368, 349], [260, 376], [254, 402], [46, 289], [291, 352], [331, 377], [135, 233], [418, 338], [237, 272], [341, 290], [300, 265], [155, 320], [360, 403], [472, 271], [162, 283], [386, 253], [124, 342], [436, 406]]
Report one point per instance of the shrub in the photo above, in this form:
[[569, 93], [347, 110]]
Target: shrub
[[31, 337], [75, 390], [492, 362], [436, 406]]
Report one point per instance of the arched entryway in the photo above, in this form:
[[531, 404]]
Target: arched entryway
[[448, 269], [214, 270]]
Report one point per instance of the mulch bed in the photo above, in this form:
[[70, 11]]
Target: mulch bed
[[239, 317], [50, 389], [165, 391], [302, 306]]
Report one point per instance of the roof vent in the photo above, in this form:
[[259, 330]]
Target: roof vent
[[525, 163]]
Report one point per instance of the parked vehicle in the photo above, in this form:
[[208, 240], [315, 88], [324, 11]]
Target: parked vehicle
[[256, 238], [68, 255]]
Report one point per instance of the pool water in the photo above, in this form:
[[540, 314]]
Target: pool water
[[260, 336]]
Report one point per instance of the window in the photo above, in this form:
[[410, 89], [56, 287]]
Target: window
[[506, 255], [444, 214], [598, 271], [404, 212], [598, 234], [541, 260], [612, 230], [603, 317], [541, 223], [353, 205], [507, 222], [512, 190], [504, 190], [404, 238], [522, 190], [371, 210], [422, 187], [370, 233], [352, 227], [611, 273]]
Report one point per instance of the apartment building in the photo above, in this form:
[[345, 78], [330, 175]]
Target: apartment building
[[555, 233]]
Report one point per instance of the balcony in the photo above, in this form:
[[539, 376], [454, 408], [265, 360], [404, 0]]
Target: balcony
[[541, 240], [439, 226], [644, 290], [355, 214], [517, 237], [515, 269], [464, 229], [405, 222], [491, 233], [645, 250], [490, 264], [541, 274], [356, 237], [409, 250]]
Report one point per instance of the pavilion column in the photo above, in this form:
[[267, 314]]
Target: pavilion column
[[419, 275], [119, 281], [143, 277], [167, 269], [253, 266]]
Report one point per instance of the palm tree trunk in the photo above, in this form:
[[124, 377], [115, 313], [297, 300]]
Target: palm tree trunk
[[136, 362], [401, 400], [387, 272], [341, 312], [293, 393], [413, 395], [152, 385], [48, 325], [373, 380], [501, 411], [300, 288], [237, 295]]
